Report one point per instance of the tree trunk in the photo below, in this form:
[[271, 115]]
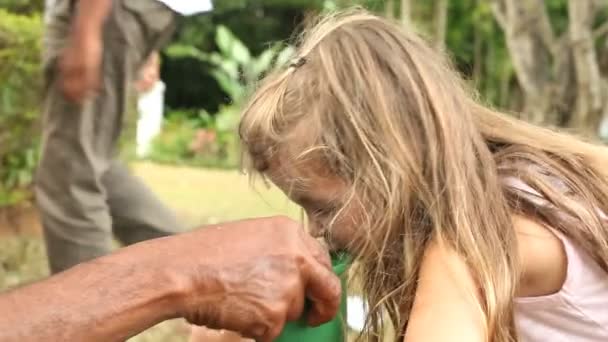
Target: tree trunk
[[406, 12], [563, 79], [590, 100], [389, 9], [441, 22], [529, 41]]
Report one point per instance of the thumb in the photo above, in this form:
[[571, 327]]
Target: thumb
[[324, 291]]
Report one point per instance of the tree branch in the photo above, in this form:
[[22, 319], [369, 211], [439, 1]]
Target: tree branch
[[528, 43], [600, 31], [544, 26], [590, 99], [498, 8]]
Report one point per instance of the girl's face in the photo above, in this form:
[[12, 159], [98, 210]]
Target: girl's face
[[323, 197]]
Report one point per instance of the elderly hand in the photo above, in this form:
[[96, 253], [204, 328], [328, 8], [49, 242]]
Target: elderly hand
[[250, 276]]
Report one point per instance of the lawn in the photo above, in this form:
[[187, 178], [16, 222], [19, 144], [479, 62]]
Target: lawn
[[198, 196], [203, 196]]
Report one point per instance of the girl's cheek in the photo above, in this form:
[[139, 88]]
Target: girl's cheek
[[346, 233], [335, 233], [343, 232]]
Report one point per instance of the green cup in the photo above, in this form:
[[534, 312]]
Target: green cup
[[333, 331]]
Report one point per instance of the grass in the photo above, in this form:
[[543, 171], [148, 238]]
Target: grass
[[198, 196], [207, 196]]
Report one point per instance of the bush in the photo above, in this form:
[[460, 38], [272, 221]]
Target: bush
[[255, 23], [20, 84], [22, 6], [197, 140]]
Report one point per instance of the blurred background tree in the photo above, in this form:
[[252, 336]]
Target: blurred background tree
[[543, 58], [20, 84], [24, 7]]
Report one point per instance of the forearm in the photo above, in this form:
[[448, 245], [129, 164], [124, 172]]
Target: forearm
[[246, 276], [109, 299], [91, 16]]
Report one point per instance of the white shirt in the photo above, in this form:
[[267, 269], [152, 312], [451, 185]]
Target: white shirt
[[189, 7]]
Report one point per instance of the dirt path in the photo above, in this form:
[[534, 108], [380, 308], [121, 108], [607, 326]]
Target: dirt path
[[22, 220]]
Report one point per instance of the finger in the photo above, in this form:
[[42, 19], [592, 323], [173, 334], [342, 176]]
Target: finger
[[71, 92], [318, 251], [77, 96], [96, 74], [71, 86], [92, 83], [296, 307], [259, 333], [96, 84], [274, 332], [324, 290], [248, 325]]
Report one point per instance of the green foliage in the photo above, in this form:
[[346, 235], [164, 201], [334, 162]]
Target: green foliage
[[198, 139], [256, 23], [172, 146], [22, 261], [22, 6], [20, 83], [234, 67], [372, 5], [479, 50], [209, 70]]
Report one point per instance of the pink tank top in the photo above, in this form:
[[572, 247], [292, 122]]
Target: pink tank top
[[576, 313]]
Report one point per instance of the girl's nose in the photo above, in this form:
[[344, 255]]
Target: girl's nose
[[316, 228]]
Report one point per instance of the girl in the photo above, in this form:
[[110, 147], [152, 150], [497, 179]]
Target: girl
[[468, 224]]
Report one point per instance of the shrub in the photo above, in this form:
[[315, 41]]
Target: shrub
[[205, 140], [24, 7], [20, 84], [198, 139]]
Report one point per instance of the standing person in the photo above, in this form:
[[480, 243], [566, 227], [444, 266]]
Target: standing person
[[467, 224], [93, 50]]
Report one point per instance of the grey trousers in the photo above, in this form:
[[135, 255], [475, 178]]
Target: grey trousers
[[84, 194]]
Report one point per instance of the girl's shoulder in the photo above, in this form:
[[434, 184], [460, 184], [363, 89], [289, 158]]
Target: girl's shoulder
[[550, 260], [563, 293], [543, 258]]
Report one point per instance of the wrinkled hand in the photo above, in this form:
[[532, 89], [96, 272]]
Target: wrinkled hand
[[80, 66], [253, 276]]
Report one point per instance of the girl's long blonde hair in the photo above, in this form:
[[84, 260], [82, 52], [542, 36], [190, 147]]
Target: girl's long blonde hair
[[390, 116]]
